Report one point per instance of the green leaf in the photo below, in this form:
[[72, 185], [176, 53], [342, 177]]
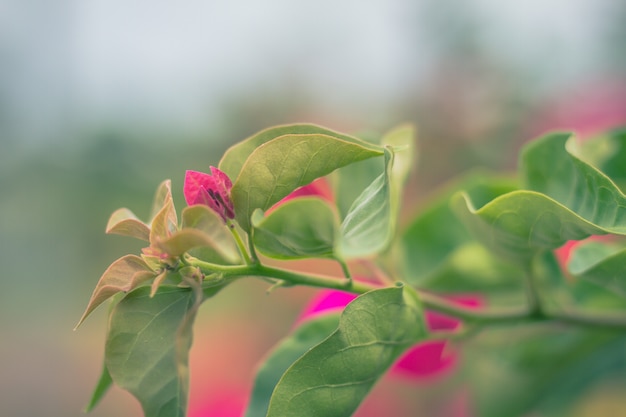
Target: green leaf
[[223, 249], [124, 222], [550, 166], [103, 385], [369, 226], [520, 224], [281, 165], [333, 378], [123, 275], [601, 264], [437, 252], [351, 180], [147, 347], [309, 334], [233, 160], [204, 230], [299, 228], [569, 200]]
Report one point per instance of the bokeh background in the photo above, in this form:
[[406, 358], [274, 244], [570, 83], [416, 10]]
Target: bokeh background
[[102, 100]]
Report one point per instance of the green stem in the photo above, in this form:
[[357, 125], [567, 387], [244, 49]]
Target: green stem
[[344, 268], [240, 245], [470, 316], [532, 295]]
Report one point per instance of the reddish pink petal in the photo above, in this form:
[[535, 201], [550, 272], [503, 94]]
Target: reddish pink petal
[[194, 182], [210, 190], [204, 198], [222, 179]]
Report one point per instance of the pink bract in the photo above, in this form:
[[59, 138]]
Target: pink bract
[[318, 188], [212, 190]]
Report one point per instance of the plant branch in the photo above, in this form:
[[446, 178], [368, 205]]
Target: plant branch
[[470, 316]]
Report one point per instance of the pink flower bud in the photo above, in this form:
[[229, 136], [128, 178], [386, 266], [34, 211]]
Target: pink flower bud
[[211, 190]]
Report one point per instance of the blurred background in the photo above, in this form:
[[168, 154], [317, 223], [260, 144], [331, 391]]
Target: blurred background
[[102, 100]]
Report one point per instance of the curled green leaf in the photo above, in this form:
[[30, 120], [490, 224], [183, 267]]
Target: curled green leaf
[[520, 224], [550, 165]]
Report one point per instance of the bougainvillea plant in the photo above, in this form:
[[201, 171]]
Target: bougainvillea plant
[[524, 274]]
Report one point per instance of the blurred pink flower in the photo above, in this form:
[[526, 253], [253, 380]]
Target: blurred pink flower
[[588, 110], [211, 190], [422, 361], [225, 401], [318, 188]]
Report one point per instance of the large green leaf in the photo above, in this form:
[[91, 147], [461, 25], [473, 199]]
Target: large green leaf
[[550, 166], [281, 165], [332, 379], [291, 348], [300, 228], [568, 200], [148, 345], [369, 225], [520, 224], [602, 264], [235, 157]]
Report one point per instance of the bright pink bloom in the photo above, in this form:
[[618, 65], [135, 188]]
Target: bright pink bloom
[[211, 190], [425, 359]]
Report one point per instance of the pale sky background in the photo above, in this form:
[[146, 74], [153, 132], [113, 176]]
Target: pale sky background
[[68, 65]]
